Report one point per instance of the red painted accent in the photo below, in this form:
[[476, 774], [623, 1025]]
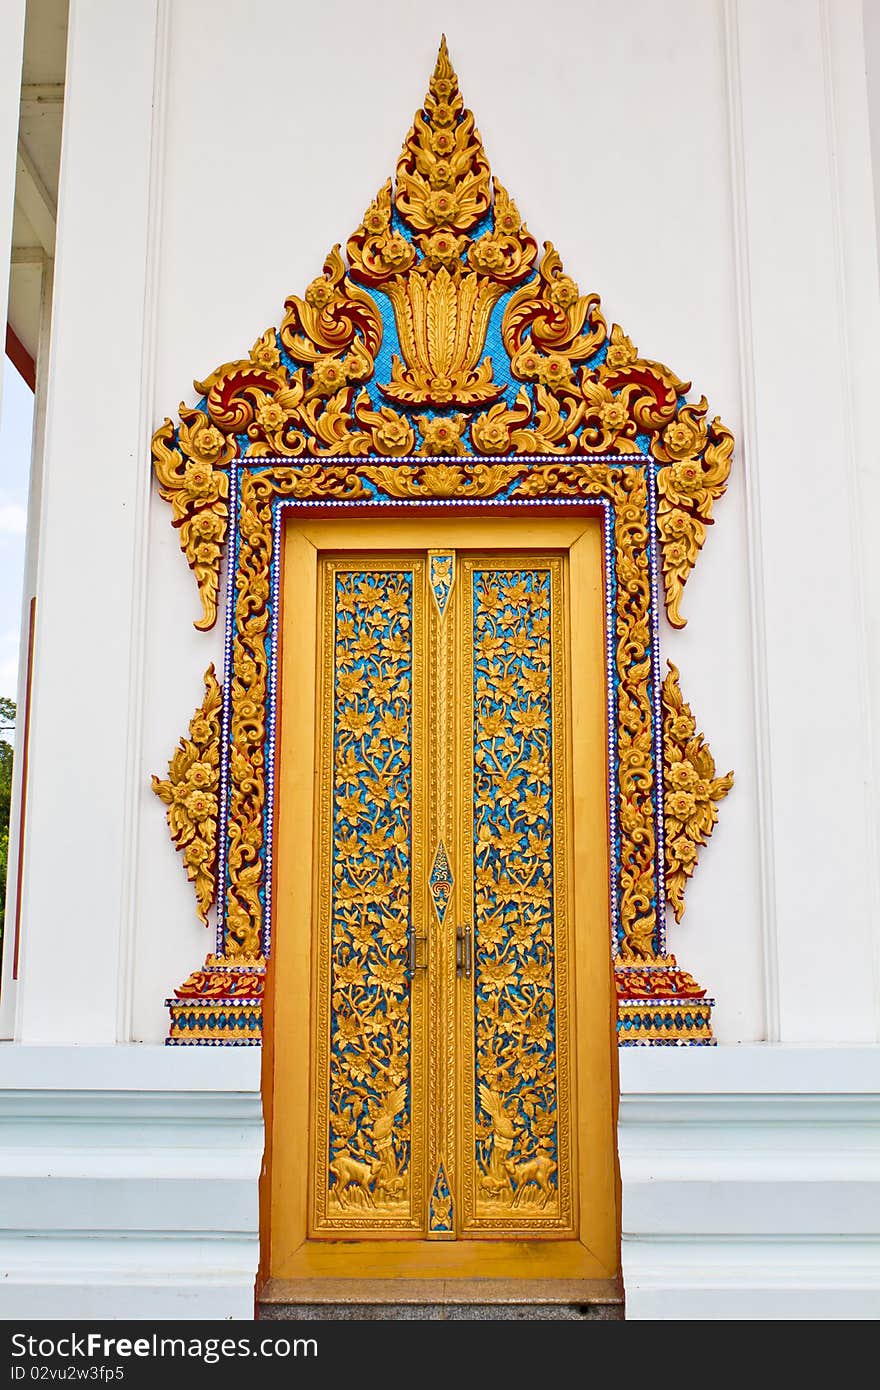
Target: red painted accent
[[22, 801], [20, 358]]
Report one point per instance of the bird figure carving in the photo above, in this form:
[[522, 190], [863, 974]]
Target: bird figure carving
[[493, 1105], [388, 1112]]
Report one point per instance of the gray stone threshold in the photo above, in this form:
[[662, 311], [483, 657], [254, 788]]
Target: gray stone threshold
[[452, 1312]]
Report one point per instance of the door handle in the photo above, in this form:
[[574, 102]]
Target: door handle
[[418, 959], [464, 951]]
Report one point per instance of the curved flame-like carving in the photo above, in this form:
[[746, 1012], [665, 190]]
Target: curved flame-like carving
[[445, 243], [190, 793], [503, 376], [692, 790]]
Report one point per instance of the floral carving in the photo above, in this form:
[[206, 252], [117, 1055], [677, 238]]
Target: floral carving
[[692, 790], [190, 793], [443, 173], [444, 244], [515, 925], [697, 456], [198, 489], [444, 480], [370, 910]]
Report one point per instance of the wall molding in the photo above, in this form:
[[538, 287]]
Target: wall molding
[[857, 321], [129, 1184], [747, 456], [135, 778], [754, 1172]]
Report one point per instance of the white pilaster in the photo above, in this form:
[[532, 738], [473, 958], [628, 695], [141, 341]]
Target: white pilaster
[[751, 1183], [807, 211], [95, 484]]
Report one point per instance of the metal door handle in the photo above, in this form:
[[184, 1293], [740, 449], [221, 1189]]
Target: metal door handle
[[464, 951], [414, 962]]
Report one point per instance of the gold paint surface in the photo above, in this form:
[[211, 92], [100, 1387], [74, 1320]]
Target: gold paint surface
[[467, 247], [516, 790], [190, 793], [369, 1110], [573, 1233], [691, 790]]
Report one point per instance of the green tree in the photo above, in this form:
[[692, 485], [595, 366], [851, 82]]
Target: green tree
[[7, 726]]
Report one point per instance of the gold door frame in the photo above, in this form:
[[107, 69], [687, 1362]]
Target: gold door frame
[[377, 390], [289, 1251]]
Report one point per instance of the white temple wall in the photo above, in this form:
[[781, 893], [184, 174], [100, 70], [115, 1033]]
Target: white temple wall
[[687, 161], [247, 219], [714, 255]]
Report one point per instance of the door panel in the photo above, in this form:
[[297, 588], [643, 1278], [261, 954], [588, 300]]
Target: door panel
[[368, 1103], [515, 1097]]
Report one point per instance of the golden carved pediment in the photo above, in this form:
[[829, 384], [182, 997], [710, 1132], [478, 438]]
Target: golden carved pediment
[[443, 335], [444, 360]]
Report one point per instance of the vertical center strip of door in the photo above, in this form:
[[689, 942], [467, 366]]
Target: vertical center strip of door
[[441, 885]]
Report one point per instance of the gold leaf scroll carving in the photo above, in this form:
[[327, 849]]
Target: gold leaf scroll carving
[[192, 479], [309, 387], [444, 480], [190, 793], [692, 790], [250, 676], [698, 456], [628, 489], [444, 237]]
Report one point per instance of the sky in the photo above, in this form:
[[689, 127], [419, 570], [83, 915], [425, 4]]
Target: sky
[[16, 421]]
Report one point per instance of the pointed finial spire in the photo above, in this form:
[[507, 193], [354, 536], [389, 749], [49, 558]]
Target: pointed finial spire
[[443, 66], [443, 173]]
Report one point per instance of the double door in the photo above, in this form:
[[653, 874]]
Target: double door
[[442, 1050], [439, 1103]]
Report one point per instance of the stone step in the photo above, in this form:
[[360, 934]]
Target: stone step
[[604, 1311]]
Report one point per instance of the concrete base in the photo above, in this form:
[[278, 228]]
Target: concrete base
[[751, 1182], [129, 1188], [129, 1182]]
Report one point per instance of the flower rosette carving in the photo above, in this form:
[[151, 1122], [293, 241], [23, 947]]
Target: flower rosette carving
[[548, 324], [190, 793], [515, 1036], [692, 790], [697, 456], [189, 466], [443, 173], [369, 1043]]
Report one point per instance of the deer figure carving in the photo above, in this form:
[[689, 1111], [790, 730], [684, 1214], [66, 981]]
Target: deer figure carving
[[539, 1169]]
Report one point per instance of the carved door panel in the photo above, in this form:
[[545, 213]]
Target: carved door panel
[[369, 1110], [441, 1097]]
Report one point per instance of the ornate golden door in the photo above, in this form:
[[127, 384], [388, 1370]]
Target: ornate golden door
[[441, 1075]]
